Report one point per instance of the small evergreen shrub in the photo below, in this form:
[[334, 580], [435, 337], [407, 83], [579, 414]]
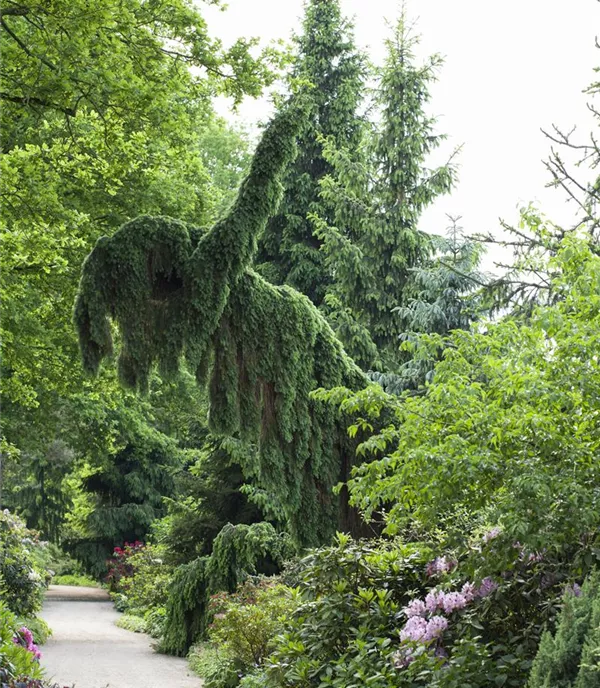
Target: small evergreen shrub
[[571, 658]]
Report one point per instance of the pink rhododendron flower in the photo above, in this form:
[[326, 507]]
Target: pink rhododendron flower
[[452, 601], [434, 600], [440, 565], [435, 627], [487, 587], [414, 629], [469, 591], [415, 607], [491, 534]]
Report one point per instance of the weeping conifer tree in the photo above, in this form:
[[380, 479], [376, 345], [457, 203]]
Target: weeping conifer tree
[[376, 196], [175, 292], [289, 250]]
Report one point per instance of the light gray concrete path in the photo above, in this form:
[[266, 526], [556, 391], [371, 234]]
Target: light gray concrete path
[[72, 592], [87, 650]]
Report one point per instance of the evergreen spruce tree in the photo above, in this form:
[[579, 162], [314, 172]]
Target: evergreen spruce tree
[[289, 251], [375, 199], [446, 293]]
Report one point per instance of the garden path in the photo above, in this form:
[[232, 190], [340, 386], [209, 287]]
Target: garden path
[[87, 650]]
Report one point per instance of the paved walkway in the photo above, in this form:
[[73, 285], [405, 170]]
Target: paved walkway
[[87, 650]]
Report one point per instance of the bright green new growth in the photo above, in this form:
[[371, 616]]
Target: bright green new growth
[[174, 292], [571, 659]]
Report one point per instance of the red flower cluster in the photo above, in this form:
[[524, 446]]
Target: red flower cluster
[[120, 567]]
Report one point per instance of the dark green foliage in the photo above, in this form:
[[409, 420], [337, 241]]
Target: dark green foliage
[[345, 631], [571, 658], [289, 250], [238, 551], [125, 488], [41, 495], [375, 194], [444, 294], [209, 495], [21, 582], [266, 347]]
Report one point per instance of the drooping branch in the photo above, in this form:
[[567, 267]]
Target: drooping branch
[[175, 291]]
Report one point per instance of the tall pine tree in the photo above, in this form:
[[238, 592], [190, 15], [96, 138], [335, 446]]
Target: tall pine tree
[[374, 199], [289, 251]]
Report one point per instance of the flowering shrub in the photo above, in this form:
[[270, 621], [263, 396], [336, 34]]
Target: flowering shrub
[[391, 615], [140, 580], [427, 622], [19, 655], [21, 583], [120, 567], [24, 638]]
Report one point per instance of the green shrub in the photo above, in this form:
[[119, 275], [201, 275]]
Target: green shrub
[[385, 614], [131, 623], [257, 679], [146, 586], [22, 584], [246, 621], [155, 621], [213, 665], [571, 658], [76, 580], [239, 551]]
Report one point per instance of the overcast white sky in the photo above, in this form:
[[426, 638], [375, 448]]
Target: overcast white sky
[[511, 67]]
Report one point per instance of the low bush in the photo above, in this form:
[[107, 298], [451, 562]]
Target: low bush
[[245, 622], [131, 623], [214, 665], [76, 580], [154, 619], [241, 635], [22, 584]]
